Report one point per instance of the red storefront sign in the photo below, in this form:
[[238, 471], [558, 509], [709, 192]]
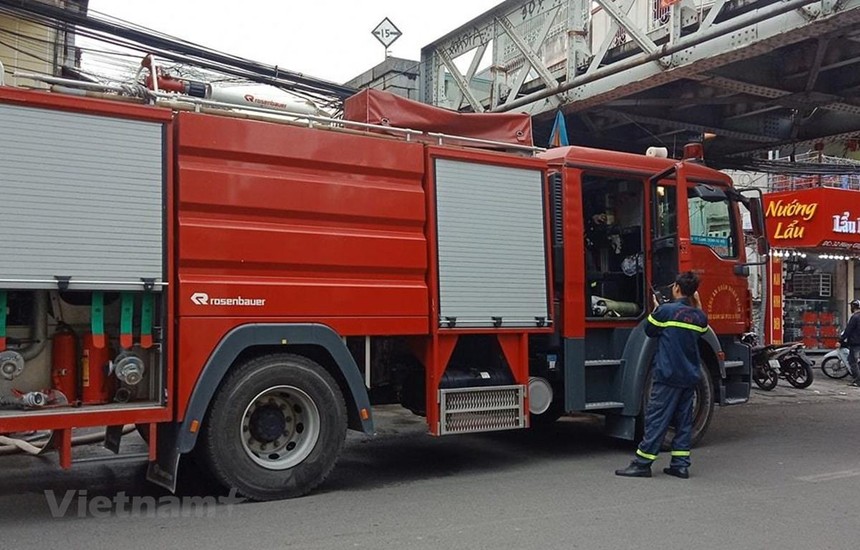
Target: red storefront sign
[[822, 217], [773, 314]]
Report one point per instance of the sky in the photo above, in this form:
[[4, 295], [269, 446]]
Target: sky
[[328, 39]]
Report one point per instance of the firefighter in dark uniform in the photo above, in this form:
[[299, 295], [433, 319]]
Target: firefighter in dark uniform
[[677, 325]]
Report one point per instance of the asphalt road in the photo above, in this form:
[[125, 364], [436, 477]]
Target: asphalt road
[[781, 472]]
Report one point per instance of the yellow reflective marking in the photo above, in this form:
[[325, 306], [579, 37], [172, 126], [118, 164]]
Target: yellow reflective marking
[[680, 453], [643, 454], [676, 324]]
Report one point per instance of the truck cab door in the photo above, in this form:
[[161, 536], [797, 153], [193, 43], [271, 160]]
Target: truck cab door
[[664, 236], [670, 228], [717, 239]]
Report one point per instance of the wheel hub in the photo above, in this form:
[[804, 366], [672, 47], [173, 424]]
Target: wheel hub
[[280, 427], [267, 424]]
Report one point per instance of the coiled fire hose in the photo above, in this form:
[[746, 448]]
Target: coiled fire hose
[[40, 443]]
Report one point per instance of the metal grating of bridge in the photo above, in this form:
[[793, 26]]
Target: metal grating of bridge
[[628, 74]]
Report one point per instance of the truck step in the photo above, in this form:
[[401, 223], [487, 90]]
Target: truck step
[[603, 363], [597, 405], [736, 400], [493, 408], [111, 458]]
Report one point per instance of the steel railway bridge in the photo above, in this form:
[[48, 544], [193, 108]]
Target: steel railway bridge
[[627, 74]]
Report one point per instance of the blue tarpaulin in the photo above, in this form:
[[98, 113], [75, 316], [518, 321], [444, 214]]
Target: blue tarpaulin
[[558, 136]]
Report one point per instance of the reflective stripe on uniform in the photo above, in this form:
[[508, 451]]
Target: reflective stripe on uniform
[[676, 324], [680, 453], [643, 454]]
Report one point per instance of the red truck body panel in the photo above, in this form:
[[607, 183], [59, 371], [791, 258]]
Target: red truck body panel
[[323, 227]]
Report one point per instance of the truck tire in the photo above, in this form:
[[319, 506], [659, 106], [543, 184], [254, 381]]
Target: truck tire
[[703, 410], [275, 427]]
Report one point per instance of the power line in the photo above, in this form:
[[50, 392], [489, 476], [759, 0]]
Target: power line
[[789, 168], [114, 30]]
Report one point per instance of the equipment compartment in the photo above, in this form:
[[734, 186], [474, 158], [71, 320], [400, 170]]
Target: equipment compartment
[[82, 261], [81, 349]]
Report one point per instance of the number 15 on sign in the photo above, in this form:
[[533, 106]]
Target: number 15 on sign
[[386, 32]]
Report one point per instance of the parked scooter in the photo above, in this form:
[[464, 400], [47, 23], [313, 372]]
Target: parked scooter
[[835, 363], [765, 373], [771, 362]]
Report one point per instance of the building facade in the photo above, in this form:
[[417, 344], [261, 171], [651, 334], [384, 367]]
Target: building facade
[[32, 47]]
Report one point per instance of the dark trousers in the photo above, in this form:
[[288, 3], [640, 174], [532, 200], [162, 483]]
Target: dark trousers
[[854, 362], [668, 406]]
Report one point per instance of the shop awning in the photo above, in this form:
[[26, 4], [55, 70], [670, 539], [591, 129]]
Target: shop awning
[[821, 217]]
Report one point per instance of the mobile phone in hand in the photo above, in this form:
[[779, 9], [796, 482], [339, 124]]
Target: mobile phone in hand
[[659, 297]]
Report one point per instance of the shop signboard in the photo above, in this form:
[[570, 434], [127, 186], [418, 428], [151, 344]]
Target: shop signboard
[[821, 217], [773, 314]]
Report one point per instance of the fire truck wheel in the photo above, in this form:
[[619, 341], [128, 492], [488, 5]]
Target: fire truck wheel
[[275, 428], [703, 410]]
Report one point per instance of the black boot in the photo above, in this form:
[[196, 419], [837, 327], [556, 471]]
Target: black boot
[[677, 471], [636, 469]]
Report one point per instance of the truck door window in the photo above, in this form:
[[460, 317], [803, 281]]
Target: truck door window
[[711, 225], [666, 222], [613, 210], [664, 237]]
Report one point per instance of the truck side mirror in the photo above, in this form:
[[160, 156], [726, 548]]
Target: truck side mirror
[[757, 220]]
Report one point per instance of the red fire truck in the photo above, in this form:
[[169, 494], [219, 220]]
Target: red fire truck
[[245, 285]]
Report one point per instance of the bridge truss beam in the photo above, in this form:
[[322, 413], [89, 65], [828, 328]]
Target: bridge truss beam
[[753, 69]]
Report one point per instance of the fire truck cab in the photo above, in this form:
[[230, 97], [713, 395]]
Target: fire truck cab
[[623, 226]]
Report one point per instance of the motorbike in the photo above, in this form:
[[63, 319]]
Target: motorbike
[[770, 363], [835, 363]]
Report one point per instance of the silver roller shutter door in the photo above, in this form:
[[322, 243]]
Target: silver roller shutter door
[[82, 197], [491, 245]]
